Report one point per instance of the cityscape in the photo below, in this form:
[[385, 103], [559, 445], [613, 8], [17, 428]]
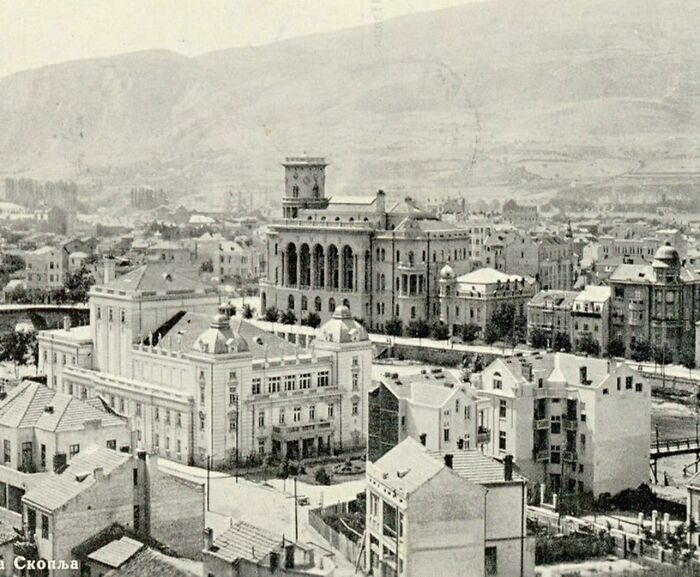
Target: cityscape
[[233, 357]]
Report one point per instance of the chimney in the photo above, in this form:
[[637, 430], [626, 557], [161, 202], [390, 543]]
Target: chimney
[[208, 538], [423, 439], [98, 473], [508, 467], [448, 459], [66, 323]]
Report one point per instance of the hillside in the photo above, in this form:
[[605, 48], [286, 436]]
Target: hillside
[[520, 95]]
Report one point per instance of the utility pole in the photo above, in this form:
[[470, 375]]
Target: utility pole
[[208, 479], [296, 517]]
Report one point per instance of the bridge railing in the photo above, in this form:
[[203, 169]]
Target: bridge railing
[[661, 445]]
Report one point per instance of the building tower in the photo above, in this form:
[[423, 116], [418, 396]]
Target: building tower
[[304, 185]]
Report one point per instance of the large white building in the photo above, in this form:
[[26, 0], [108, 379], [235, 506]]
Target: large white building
[[196, 384]]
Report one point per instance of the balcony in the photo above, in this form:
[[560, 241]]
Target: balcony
[[541, 455], [570, 424], [540, 424], [414, 266], [483, 435], [298, 430], [569, 456]]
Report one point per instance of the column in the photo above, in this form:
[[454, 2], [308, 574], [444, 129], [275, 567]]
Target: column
[[312, 269], [284, 271], [299, 267], [355, 286], [327, 269]]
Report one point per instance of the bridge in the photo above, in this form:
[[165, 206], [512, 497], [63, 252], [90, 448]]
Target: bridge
[[662, 448]]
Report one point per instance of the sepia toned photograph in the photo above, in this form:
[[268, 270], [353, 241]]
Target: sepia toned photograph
[[349, 288]]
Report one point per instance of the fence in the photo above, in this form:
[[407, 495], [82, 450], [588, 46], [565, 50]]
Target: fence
[[348, 548]]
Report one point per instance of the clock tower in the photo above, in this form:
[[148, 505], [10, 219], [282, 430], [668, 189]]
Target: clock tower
[[304, 184]]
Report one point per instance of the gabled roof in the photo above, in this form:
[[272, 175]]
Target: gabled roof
[[488, 276], [151, 563], [476, 467], [408, 466], [26, 406], [558, 298], [409, 206], [117, 552], [57, 490], [245, 541]]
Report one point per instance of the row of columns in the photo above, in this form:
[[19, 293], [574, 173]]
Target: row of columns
[[336, 272]]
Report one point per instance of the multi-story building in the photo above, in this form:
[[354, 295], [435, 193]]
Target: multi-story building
[[555, 262], [521, 215], [549, 311], [591, 317], [559, 416], [232, 259], [198, 386], [380, 262], [433, 406], [458, 514], [46, 268], [101, 488], [655, 303], [474, 297], [637, 249], [171, 252]]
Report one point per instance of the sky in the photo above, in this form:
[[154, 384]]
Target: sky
[[35, 33]]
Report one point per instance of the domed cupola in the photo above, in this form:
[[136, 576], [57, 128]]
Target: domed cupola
[[342, 328], [447, 273], [219, 338]]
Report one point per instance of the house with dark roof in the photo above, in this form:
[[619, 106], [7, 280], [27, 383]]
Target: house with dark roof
[[101, 488], [245, 550]]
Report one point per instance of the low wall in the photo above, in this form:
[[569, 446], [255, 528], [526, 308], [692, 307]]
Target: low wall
[[346, 547]]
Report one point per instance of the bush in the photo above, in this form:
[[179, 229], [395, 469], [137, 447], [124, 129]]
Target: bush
[[571, 548], [439, 331], [288, 318], [322, 477], [418, 329], [562, 342], [272, 315], [470, 332], [394, 327], [312, 320], [616, 347], [248, 311], [588, 346], [538, 338]]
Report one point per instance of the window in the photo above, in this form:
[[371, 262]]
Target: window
[[330, 411], [156, 414], [201, 394], [356, 382], [135, 477], [232, 396], [638, 387], [305, 381], [628, 383], [122, 317], [261, 419], [261, 446], [312, 413], [502, 440], [290, 382], [355, 408], [446, 434], [74, 450], [138, 409], [7, 450], [111, 444], [322, 379], [281, 416], [179, 447], [297, 414], [497, 382], [178, 419], [256, 385], [491, 560], [503, 406], [273, 384]]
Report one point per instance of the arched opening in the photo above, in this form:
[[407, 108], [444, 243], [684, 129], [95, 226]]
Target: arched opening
[[319, 267], [348, 268], [290, 302], [333, 267], [331, 305], [291, 257], [263, 303], [305, 265], [317, 304], [346, 303], [304, 303]]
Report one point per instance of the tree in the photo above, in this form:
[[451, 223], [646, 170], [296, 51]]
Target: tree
[[686, 354], [418, 329], [562, 343], [288, 317], [642, 351], [394, 327], [247, 311], [470, 332], [312, 320], [322, 477], [538, 338], [77, 285], [272, 315], [439, 331], [616, 347], [588, 345], [491, 334], [17, 347]]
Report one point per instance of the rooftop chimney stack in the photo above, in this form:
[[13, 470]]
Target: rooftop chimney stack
[[508, 467]]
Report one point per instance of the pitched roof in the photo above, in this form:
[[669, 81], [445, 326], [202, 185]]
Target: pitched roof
[[558, 298], [476, 467], [159, 277], [117, 552], [410, 206], [57, 490], [26, 406], [359, 200], [245, 541], [488, 276], [151, 563], [408, 466]]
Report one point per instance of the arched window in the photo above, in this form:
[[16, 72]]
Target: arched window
[[346, 303], [413, 312], [331, 305], [304, 303], [317, 304], [290, 302]]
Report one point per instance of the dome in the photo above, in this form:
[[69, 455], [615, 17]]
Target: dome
[[667, 254], [447, 272], [219, 338], [342, 328]]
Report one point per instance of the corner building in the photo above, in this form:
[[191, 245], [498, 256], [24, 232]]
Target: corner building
[[380, 261]]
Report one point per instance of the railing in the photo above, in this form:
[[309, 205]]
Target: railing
[[664, 446]]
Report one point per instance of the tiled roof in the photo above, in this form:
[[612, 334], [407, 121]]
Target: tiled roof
[[408, 466], [26, 406], [559, 298], [638, 273], [117, 552], [151, 563], [159, 277], [57, 490], [245, 541], [476, 467]]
